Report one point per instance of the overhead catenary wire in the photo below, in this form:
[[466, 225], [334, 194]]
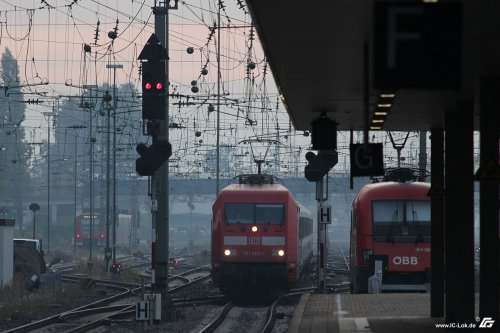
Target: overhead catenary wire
[[245, 94]]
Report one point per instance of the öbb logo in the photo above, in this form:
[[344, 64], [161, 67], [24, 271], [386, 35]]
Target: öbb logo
[[405, 260]]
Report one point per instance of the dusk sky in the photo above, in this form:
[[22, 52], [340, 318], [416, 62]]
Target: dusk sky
[[48, 39]]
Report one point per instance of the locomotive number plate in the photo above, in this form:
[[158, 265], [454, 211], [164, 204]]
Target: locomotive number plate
[[253, 253]]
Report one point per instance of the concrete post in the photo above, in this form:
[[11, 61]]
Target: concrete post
[[489, 198], [459, 215], [6, 251], [437, 224]]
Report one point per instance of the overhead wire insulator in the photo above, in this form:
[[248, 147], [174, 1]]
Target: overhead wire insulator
[[96, 35]]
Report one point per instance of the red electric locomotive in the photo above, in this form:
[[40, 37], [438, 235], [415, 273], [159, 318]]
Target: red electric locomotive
[[261, 236], [390, 223]]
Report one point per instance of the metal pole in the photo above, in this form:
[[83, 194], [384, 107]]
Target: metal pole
[[91, 192], [160, 180], [321, 238], [115, 105], [74, 209], [398, 151], [34, 221], [90, 106], [75, 185], [48, 187], [422, 157], [366, 93], [218, 103], [48, 114], [114, 164], [108, 180]]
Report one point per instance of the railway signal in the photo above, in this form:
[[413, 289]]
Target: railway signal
[[152, 157], [324, 139], [319, 165], [154, 97], [153, 90]]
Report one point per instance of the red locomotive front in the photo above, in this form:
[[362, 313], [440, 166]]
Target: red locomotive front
[[391, 224], [255, 241]]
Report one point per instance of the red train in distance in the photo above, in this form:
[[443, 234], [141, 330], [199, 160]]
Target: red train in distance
[[390, 222], [82, 229], [261, 236]]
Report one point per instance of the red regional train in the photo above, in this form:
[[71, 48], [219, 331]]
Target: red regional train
[[82, 229], [390, 222], [261, 236]]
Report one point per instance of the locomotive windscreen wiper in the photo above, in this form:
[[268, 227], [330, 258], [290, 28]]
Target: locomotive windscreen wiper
[[389, 237], [419, 238]]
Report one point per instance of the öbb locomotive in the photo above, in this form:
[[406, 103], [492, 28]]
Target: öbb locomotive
[[261, 236], [390, 223]]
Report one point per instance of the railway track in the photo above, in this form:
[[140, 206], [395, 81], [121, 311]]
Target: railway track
[[231, 318], [44, 325], [338, 268], [119, 306]]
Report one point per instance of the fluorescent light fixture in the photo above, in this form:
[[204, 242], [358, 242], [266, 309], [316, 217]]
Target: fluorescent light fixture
[[380, 113], [387, 95], [384, 105], [375, 128], [377, 121]]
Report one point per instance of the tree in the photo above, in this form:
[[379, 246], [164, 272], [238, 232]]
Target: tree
[[13, 147], [75, 112]]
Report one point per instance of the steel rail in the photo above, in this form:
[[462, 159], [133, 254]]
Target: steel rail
[[271, 318], [212, 326]]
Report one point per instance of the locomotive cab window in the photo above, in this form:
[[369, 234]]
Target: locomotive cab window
[[401, 220], [269, 214], [85, 224], [418, 211], [239, 213], [388, 211], [249, 213]]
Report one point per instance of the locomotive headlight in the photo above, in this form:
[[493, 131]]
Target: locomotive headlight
[[281, 253], [227, 252], [254, 228]]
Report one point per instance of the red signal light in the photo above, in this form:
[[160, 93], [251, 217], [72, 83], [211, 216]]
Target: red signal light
[[148, 86], [159, 86]]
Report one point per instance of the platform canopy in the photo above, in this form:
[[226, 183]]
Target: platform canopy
[[338, 56]]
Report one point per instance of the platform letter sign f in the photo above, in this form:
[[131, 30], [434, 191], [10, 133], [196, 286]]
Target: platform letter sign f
[[395, 35], [417, 45]]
